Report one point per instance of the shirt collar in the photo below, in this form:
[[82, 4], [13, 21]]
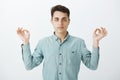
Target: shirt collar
[[56, 37]]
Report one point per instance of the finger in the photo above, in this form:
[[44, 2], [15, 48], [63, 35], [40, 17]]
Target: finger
[[97, 31], [26, 31], [19, 30], [102, 30], [105, 32]]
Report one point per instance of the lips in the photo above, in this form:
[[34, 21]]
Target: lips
[[60, 27]]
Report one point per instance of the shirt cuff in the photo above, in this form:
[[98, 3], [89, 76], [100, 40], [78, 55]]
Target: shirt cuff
[[96, 49], [25, 45]]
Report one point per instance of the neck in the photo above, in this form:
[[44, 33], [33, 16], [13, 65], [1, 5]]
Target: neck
[[61, 36]]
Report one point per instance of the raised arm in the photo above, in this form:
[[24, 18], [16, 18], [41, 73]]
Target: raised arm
[[30, 60], [91, 59]]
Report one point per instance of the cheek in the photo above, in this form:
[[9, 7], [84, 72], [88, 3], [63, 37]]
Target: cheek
[[53, 24], [66, 24]]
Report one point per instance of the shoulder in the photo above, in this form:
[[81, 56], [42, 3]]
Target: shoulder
[[78, 39], [45, 39]]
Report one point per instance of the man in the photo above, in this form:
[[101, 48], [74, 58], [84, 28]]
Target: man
[[62, 53]]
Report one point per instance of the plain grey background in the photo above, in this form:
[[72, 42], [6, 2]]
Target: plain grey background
[[34, 15]]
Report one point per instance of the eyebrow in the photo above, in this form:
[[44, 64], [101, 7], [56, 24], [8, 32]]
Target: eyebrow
[[62, 17]]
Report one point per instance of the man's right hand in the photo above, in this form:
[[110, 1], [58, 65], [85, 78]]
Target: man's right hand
[[24, 35]]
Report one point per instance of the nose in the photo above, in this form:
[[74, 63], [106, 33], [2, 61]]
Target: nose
[[60, 22]]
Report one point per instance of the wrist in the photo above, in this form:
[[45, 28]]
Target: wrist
[[25, 42], [96, 43]]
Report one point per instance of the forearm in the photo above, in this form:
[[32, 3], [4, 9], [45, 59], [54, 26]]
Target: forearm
[[90, 59], [27, 57], [94, 55], [94, 58]]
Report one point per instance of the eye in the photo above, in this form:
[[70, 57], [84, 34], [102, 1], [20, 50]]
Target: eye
[[65, 19], [56, 19]]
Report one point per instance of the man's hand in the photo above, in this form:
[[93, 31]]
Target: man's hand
[[24, 35], [98, 34]]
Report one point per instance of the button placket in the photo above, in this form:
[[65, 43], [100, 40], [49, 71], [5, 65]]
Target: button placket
[[60, 59]]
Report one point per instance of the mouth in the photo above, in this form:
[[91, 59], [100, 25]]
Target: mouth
[[60, 27]]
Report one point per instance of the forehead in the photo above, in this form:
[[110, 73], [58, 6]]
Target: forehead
[[60, 14]]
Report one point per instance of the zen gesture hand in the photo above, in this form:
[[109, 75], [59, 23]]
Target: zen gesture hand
[[98, 34], [24, 35]]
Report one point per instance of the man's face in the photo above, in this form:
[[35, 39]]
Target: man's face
[[60, 21]]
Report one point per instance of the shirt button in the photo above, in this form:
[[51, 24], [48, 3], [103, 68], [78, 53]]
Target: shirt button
[[60, 63], [60, 73], [60, 54]]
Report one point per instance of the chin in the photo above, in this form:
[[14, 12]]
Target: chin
[[61, 31]]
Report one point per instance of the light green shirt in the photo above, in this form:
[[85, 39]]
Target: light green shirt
[[61, 60]]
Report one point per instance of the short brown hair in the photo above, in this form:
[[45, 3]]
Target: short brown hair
[[61, 9]]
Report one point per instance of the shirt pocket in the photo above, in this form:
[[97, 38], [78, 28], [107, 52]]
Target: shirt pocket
[[73, 57], [73, 53]]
